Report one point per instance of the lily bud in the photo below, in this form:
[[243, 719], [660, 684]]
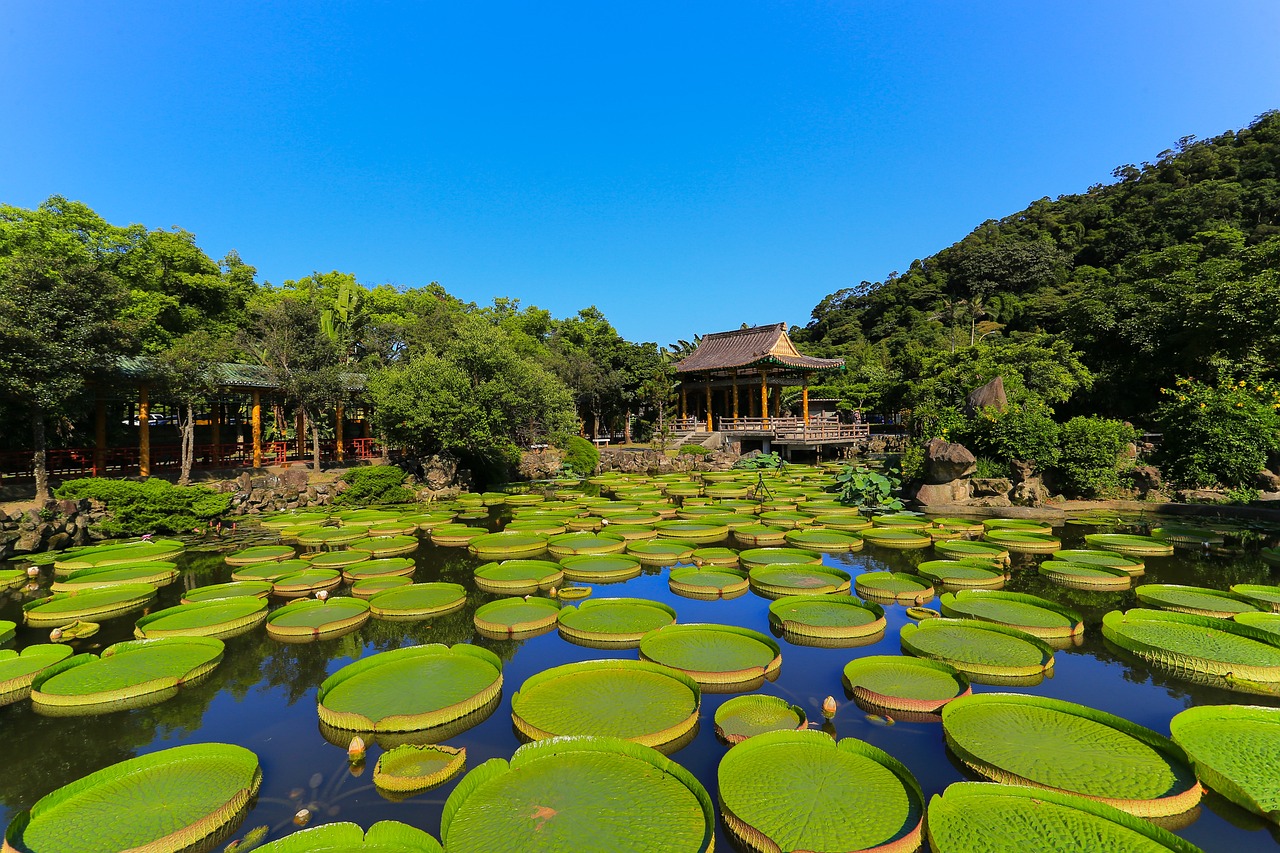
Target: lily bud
[[829, 707], [322, 594], [55, 635], [33, 572], [554, 593], [302, 818], [356, 750]]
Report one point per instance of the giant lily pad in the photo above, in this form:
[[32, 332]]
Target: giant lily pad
[[410, 689], [260, 554], [893, 586], [293, 519], [97, 556], [306, 582], [1141, 546], [157, 573], [1085, 576], [1090, 557], [827, 617], [573, 544], [331, 536], [518, 577], [755, 557], [758, 535], [1264, 596], [897, 538], [10, 578], [613, 622], [963, 575], [632, 700], [697, 532], [1192, 599], [418, 601], [661, 552], [901, 521], [1263, 621], [174, 799], [747, 716], [1182, 534], [708, 582], [1023, 541], [978, 817], [581, 793], [130, 674], [19, 669], [847, 522], [385, 836], [384, 568], [867, 800], [1236, 752], [781, 579], [455, 535], [1186, 645], [1062, 746], [516, 617], [335, 559], [978, 649], [786, 519], [256, 589], [311, 619], [93, 604], [220, 618], [417, 767], [897, 683], [507, 545], [387, 546], [827, 541], [369, 587], [959, 549], [714, 655], [723, 557], [272, 571], [1037, 616], [605, 568]]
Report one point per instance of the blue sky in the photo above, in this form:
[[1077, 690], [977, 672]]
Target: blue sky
[[684, 166]]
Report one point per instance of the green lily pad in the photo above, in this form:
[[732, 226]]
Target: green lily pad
[[1236, 752], [897, 538], [697, 532], [384, 568], [898, 683], [1021, 541], [826, 541], [310, 619], [173, 799], [1270, 555], [1090, 557], [756, 557], [1062, 746], [630, 532], [1182, 534], [129, 674], [1263, 621], [220, 618], [613, 622], [978, 817], [1264, 596], [605, 568], [97, 556], [93, 604], [517, 577], [293, 519], [661, 552], [367, 588], [758, 535], [747, 716], [978, 649], [893, 586], [508, 544], [787, 519], [157, 573], [387, 546], [12, 578], [272, 571], [385, 836], [516, 617], [306, 582], [19, 669], [543, 527], [337, 559], [1141, 546], [867, 800], [958, 573], [958, 549], [331, 536], [1085, 576], [707, 583], [256, 589], [1037, 616], [417, 767], [410, 689], [781, 579], [827, 617], [721, 557], [631, 700], [1192, 599], [574, 544], [583, 794], [900, 521], [260, 554], [455, 535], [714, 655], [418, 601], [365, 517]]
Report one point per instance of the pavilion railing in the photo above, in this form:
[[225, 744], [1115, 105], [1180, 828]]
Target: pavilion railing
[[817, 429]]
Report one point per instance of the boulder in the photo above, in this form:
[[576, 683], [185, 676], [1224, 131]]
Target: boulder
[[1267, 481], [1201, 496], [1022, 470], [541, 464], [1030, 492], [1146, 478], [294, 479], [993, 501], [990, 396], [945, 461], [943, 494], [985, 487]]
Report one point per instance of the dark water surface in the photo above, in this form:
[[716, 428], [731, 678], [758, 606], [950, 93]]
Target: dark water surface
[[263, 695]]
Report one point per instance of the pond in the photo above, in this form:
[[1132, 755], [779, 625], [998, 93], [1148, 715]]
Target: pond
[[263, 695]]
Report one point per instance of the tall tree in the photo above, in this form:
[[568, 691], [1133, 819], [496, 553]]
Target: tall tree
[[188, 368]]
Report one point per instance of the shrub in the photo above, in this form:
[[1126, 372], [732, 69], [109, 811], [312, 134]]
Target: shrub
[[377, 484], [932, 419], [911, 462], [152, 506], [988, 468], [581, 456], [869, 491], [1218, 434], [761, 462], [1028, 433], [1090, 458], [694, 450]]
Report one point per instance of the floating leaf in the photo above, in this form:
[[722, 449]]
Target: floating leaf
[[418, 601], [896, 683], [255, 589], [1193, 599], [19, 669], [979, 649], [156, 573], [1111, 559], [893, 586], [417, 767], [613, 622], [960, 574], [1141, 546], [605, 568], [94, 604], [778, 580], [829, 617], [518, 577], [1236, 752], [97, 556], [260, 554], [707, 583], [1085, 576], [219, 618], [311, 619], [508, 544], [713, 654], [516, 617], [1037, 616]]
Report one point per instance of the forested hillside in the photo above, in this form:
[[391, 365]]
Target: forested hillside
[[1172, 271]]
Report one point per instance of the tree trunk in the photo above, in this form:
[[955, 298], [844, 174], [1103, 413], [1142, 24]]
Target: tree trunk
[[315, 441], [626, 426], [39, 463], [188, 428]]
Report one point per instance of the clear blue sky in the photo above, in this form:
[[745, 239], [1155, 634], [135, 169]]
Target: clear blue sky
[[684, 166]]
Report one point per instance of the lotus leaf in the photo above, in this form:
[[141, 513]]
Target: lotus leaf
[[713, 654], [896, 683], [958, 573], [746, 716], [832, 617], [260, 554], [979, 817], [385, 836], [1185, 644], [510, 617], [760, 535], [866, 799], [707, 583], [1132, 565], [586, 794], [418, 601], [173, 799], [455, 535], [893, 586], [220, 618], [959, 549], [608, 568], [1085, 576], [1141, 546], [127, 674], [1037, 616], [256, 589], [337, 559], [613, 622], [19, 669], [1193, 599], [411, 688], [1236, 752], [157, 573], [306, 582], [92, 603], [513, 577], [896, 537], [273, 571], [1264, 596], [697, 532], [661, 552], [978, 648], [827, 541], [631, 700], [780, 579], [96, 556], [1049, 743], [384, 568], [508, 544], [417, 767], [1023, 542]]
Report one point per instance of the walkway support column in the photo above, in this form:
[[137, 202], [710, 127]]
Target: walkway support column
[[255, 417], [684, 401], [764, 395], [804, 397], [100, 438], [215, 431], [339, 413], [144, 430], [735, 394], [709, 427]]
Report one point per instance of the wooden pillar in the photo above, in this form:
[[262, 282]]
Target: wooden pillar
[[339, 413], [215, 431], [100, 438], [709, 427], [144, 431], [684, 401], [804, 404], [764, 395], [735, 394], [255, 418]]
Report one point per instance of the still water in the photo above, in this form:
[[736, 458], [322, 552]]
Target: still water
[[263, 695]]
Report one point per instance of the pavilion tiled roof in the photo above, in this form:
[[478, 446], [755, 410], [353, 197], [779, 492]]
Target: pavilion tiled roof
[[758, 346], [140, 368]]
